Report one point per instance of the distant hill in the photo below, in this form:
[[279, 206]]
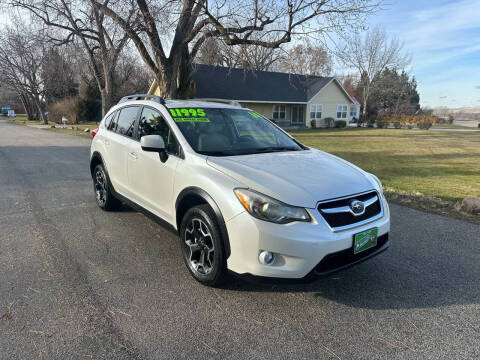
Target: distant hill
[[465, 113]]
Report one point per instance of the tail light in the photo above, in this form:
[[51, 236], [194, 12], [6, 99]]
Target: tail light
[[94, 132]]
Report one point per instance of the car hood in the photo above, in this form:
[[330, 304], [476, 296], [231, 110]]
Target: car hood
[[300, 178]]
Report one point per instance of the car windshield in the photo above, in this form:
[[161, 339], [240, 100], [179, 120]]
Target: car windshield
[[227, 132]]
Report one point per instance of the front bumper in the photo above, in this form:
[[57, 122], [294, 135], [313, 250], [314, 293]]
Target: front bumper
[[301, 249]]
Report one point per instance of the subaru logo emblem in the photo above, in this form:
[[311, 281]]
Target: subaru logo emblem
[[357, 207]]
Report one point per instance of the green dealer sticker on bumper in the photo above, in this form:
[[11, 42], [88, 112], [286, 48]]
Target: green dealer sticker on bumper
[[365, 240]]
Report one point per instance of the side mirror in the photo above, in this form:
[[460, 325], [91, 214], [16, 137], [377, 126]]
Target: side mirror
[[154, 143]]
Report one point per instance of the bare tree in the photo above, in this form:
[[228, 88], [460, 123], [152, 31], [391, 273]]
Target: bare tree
[[370, 55], [21, 57], [99, 37], [307, 59], [186, 25], [249, 57], [211, 53], [57, 76], [131, 75]]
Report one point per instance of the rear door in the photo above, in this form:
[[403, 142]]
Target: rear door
[[102, 139], [120, 141], [150, 180]]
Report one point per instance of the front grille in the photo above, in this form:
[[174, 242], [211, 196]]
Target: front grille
[[340, 259], [342, 216]]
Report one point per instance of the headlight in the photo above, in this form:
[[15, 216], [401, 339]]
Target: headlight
[[377, 180], [265, 208]]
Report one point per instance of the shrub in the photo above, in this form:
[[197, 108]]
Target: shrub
[[313, 123], [382, 124], [89, 109], [329, 122], [409, 121], [90, 105], [67, 108], [424, 125], [340, 123]]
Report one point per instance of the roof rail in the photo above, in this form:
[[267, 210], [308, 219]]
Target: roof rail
[[221, 101], [142, 97]]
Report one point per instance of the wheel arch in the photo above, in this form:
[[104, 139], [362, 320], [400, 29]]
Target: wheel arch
[[95, 160], [193, 196]]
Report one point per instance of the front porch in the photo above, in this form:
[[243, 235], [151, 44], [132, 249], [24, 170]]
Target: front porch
[[287, 116]]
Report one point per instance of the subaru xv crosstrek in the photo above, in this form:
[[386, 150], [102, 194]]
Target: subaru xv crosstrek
[[243, 195]]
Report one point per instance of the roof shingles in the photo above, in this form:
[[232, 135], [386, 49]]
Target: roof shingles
[[248, 85]]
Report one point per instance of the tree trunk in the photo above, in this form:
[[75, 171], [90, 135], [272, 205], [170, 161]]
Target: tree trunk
[[107, 100], [107, 92], [27, 106], [41, 114], [183, 76], [366, 91], [167, 82]]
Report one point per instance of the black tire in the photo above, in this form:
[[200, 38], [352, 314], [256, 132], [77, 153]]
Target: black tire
[[103, 194], [202, 216]]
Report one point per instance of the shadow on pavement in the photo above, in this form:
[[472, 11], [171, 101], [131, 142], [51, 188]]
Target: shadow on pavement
[[388, 281]]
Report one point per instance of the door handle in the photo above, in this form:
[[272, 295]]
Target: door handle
[[133, 155]]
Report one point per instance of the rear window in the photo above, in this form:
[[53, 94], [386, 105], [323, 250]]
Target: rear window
[[108, 120]]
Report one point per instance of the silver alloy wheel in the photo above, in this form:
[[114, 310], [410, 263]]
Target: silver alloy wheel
[[100, 187], [200, 242]]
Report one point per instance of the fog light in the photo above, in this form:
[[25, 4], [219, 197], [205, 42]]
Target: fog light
[[266, 257]]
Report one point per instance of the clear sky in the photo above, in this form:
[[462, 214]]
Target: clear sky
[[443, 38]]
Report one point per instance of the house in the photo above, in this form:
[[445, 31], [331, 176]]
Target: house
[[290, 100]]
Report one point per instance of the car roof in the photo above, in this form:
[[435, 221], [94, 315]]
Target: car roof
[[182, 103], [198, 103]]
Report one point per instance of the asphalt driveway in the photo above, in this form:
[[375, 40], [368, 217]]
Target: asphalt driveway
[[77, 282]]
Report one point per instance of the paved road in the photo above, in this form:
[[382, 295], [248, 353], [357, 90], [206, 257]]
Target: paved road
[[76, 282]]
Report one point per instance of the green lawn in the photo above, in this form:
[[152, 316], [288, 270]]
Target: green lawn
[[443, 164]]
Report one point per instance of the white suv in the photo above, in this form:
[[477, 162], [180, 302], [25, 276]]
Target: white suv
[[243, 195]]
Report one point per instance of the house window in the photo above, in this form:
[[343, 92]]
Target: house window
[[316, 111], [342, 111], [278, 112]]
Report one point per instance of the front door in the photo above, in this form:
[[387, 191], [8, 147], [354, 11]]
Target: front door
[[150, 180], [297, 115]]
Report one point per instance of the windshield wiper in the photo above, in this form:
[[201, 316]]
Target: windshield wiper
[[277, 148], [216, 153]]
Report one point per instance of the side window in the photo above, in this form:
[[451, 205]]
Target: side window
[[125, 121], [153, 123], [108, 119]]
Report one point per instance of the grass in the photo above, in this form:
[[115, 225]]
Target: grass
[[79, 132], [453, 126], [22, 120], [413, 165], [77, 129]]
